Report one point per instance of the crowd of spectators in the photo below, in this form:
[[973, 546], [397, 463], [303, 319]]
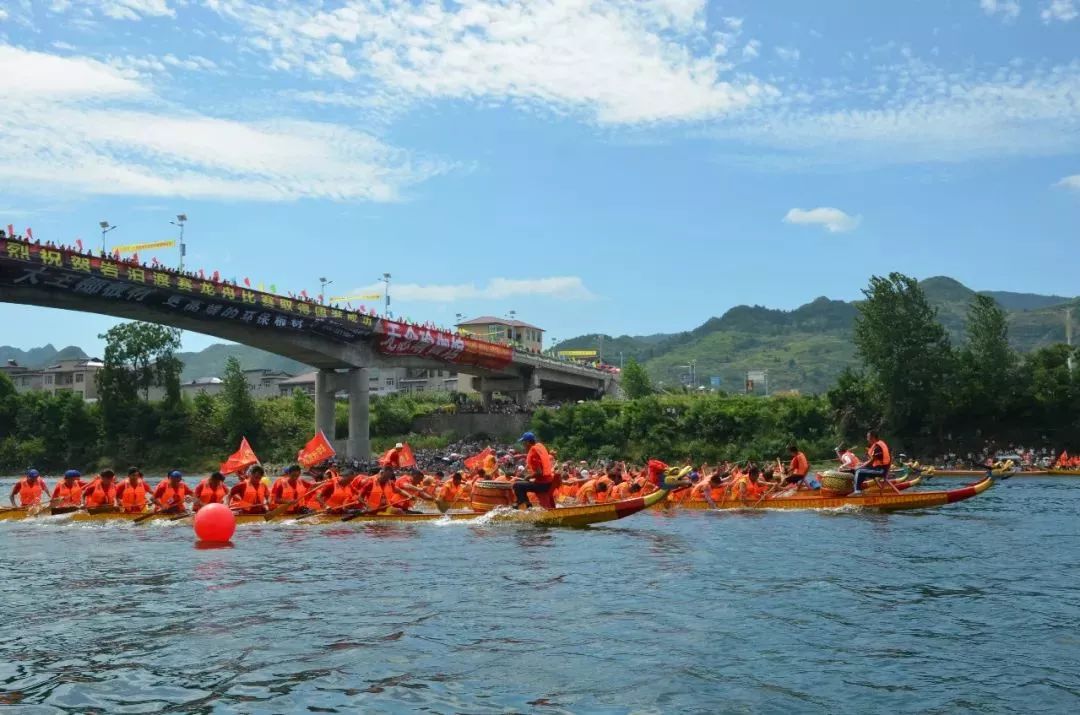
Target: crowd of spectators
[[1043, 458]]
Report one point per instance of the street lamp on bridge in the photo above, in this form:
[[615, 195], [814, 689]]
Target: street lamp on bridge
[[105, 228], [386, 294], [181, 219], [323, 282]]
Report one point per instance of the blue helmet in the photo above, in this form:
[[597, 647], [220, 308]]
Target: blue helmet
[[175, 474], [527, 437], [72, 474], [33, 473]]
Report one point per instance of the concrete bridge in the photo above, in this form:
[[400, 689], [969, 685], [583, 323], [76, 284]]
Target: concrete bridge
[[341, 344]]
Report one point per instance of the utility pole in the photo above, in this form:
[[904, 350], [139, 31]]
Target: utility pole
[[322, 289]]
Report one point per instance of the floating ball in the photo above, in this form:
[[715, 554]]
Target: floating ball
[[215, 522]]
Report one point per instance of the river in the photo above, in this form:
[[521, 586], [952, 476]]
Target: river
[[972, 607]]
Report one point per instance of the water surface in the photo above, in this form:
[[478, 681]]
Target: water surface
[[968, 608]]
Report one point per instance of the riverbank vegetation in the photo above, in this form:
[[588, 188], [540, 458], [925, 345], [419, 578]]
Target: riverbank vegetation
[[926, 394]]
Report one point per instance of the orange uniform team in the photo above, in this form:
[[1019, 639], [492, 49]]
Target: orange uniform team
[[531, 476]]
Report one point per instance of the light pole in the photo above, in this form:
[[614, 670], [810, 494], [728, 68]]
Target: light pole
[[512, 317], [105, 228], [386, 294], [181, 219], [322, 289]]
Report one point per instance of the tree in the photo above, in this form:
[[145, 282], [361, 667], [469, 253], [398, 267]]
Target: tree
[[986, 377], [635, 381], [908, 355], [139, 356], [240, 417]]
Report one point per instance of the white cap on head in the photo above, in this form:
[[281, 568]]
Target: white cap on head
[[399, 445], [584, 472], [521, 468]]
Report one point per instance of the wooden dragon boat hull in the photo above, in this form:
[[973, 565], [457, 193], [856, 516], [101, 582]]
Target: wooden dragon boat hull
[[882, 501], [573, 516]]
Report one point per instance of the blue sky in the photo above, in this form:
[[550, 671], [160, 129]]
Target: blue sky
[[594, 165]]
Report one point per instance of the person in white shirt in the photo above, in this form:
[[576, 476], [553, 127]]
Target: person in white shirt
[[848, 460]]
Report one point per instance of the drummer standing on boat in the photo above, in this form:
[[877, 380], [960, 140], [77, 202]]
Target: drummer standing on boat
[[539, 473], [29, 489]]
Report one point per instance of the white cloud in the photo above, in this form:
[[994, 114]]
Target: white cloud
[[834, 220], [751, 50], [3, 14], [560, 287], [1008, 9], [117, 9], [913, 112], [616, 62], [788, 54], [1061, 10], [1070, 182], [79, 125]]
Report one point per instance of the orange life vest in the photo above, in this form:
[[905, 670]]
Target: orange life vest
[[381, 495], [251, 496], [68, 495], [169, 497], [538, 456], [449, 491], [209, 494], [285, 491], [133, 498], [339, 495], [30, 494], [99, 495], [885, 458]]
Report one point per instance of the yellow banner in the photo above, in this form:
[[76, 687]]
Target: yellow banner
[[133, 247], [578, 353], [362, 296]]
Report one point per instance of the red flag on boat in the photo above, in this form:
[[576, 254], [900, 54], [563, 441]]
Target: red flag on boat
[[239, 460], [315, 451], [477, 460], [404, 458]]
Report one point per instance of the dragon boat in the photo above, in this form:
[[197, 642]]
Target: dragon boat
[[565, 516], [879, 501]]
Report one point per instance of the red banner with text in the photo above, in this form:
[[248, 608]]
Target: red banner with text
[[413, 340]]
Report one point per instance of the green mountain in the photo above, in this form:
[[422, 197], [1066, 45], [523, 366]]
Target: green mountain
[[210, 362], [40, 357], [806, 349]]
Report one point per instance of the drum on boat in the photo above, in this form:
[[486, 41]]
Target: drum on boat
[[836, 483], [487, 495]]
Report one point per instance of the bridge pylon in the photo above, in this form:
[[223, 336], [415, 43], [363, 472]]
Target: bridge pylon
[[354, 383]]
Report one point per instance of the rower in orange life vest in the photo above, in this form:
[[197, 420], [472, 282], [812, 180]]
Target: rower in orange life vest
[[101, 493], [336, 495], [68, 492], [290, 489], [409, 486], [170, 493], [798, 468], [878, 461], [539, 475], [29, 489], [211, 490], [381, 493], [451, 489], [250, 495], [132, 493]]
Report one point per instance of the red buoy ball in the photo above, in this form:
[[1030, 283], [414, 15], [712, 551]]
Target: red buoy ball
[[215, 522]]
